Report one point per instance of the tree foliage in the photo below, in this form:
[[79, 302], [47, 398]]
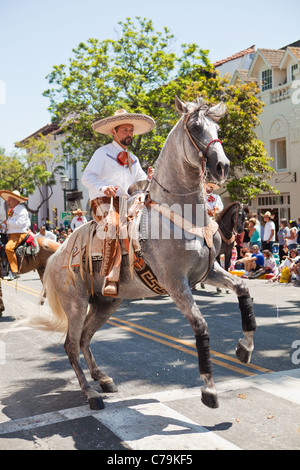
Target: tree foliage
[[30, 169], [141, 71]]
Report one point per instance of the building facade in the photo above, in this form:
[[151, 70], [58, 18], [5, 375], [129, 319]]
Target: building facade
[[68, 193], [277, 72]]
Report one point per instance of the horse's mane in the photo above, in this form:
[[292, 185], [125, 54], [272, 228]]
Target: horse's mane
[[227, 208], [215, 112]]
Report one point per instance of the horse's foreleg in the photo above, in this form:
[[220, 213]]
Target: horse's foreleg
[[184, 300], [99, 312], [221, 278]]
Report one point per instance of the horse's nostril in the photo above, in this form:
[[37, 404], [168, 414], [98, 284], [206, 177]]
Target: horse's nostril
[[222, 170]]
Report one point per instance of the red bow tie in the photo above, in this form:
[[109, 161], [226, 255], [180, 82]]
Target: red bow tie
[[211, 199], [79, 219], [122, 158]]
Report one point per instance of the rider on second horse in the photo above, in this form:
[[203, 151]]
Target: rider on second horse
[[110, 172], [17, 226]]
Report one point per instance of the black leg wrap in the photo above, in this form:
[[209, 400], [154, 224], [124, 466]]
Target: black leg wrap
[[204, 360], [248, 318]]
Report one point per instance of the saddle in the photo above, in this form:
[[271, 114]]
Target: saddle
[[84, 249], [28, 247]]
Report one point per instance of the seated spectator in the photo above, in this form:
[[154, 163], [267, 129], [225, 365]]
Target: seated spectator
[[295, 269], [252, 262], [285, 268], [45, 233], [269, 266]]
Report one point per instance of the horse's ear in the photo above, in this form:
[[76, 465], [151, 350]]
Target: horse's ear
[[217, 111], [180, 106]]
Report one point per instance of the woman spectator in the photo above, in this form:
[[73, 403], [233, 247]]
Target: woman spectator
[[291, 237], [254, 233]]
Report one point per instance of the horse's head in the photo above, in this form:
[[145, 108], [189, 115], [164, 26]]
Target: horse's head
[[202, 129], [243, 212]]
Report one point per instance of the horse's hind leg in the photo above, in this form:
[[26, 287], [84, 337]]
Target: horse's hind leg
[[100, 309], [220, 277], [72, 348]]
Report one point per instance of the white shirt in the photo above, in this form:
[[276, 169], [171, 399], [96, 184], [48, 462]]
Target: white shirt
[[267, 231], [48, 234], [214, 203], [103, 170], [19, 222], [77, 223]]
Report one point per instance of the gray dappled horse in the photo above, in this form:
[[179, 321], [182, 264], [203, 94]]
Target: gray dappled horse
[[191, 153]]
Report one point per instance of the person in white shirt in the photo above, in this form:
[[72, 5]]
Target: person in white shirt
[[45, 233], [17, 227], [214, 203], [269, 232], [109, 173], [78, 219]]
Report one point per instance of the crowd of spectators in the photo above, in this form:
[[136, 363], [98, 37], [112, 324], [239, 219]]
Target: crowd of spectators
[[261, 251]]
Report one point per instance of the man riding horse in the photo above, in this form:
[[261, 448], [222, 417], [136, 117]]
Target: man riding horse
[[17, 226], [109, 173]]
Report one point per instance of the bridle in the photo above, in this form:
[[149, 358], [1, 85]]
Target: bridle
[[201, 152]]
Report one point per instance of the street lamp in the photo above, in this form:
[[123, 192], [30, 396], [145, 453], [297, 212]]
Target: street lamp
[[64, 182]]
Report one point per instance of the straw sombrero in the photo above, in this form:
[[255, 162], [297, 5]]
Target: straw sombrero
[[268, 214], [5, 194], [212, 186], [78, 211], [141, 122]]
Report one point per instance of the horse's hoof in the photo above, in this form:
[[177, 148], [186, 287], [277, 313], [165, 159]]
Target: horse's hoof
[[109, 387], [210, 399], [96, 403], [243, 354]]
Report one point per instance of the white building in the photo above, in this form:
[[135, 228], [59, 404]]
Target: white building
[[277, 71]]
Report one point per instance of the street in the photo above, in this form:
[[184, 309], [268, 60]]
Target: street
[[148, 349]]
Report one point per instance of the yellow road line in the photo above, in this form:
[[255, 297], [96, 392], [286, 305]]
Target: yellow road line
[[132, 327], [187, 343]]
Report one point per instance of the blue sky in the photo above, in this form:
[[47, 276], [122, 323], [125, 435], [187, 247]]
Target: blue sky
[[35, 35]]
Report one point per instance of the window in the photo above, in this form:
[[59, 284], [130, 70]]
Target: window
[[279, 154], [294, 68], [266, 78]]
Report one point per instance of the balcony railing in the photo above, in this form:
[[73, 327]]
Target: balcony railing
[[280, 93]]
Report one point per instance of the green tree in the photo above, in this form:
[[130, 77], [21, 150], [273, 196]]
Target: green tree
[[32, 168], [141, 72]]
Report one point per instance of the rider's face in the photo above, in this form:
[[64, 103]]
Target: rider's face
[[12, 202], [124, 133]]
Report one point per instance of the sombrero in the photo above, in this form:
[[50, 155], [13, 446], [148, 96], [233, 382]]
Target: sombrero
[[268, 214], [5, 194], [141, 122], [78, 211], [213, 186]]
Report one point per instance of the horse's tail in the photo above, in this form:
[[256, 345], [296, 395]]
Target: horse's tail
[[53, 318]]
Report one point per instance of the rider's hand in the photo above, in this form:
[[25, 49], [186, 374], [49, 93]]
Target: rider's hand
[[111, 191], [150, 172]]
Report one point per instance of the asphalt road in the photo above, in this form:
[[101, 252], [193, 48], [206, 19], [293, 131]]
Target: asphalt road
[[148, 348]]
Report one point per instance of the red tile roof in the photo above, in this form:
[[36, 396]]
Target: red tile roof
[[235, 56]]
